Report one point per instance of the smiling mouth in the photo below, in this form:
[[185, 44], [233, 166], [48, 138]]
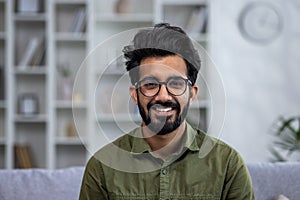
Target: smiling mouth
[[163, 110]]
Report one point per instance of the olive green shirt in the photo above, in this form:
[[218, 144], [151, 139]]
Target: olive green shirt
[[202, 168]]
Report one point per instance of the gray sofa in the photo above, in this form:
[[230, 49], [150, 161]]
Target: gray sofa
[[269, 181]]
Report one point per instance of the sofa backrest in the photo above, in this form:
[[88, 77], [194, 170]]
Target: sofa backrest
[[43, 184], [272, 179], [269, 181]]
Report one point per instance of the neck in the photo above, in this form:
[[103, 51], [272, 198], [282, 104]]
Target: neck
[[164, 145]]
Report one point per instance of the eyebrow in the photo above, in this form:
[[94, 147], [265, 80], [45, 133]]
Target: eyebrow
[[153, 77]]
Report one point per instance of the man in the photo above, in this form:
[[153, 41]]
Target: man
[[160, 159]]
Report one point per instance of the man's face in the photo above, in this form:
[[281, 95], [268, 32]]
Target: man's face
[[163, 112]]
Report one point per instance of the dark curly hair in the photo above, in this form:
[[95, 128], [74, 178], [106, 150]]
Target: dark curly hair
[[160, 41]]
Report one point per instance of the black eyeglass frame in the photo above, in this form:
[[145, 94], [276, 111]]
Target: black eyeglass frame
[[160, 83]]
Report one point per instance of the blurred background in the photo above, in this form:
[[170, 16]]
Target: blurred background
[[64, 89]]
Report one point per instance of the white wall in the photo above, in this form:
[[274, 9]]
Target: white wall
[[261, 81]]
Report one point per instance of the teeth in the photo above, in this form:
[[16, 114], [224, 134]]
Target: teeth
[[163, 109]]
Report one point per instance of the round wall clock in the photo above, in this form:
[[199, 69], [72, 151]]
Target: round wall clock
[[260, 22]]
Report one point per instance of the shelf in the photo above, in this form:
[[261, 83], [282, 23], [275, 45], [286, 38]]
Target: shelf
[[60, 104], [30, 70], [71, 2], [68, 141], [184, 3], [118, 118], [20, 17], [124, 17], [71, 37], [31, 119]]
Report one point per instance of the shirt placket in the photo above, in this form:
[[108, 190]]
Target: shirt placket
[[164, 192]]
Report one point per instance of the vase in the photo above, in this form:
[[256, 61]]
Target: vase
[[123, 6], [66, 89]]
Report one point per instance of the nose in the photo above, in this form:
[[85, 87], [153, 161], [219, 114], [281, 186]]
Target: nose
[[163, 94]]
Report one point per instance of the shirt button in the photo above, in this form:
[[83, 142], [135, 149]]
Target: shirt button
[[164, 171]]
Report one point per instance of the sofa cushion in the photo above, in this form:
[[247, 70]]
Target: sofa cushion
[[40, 184], [272, 179]]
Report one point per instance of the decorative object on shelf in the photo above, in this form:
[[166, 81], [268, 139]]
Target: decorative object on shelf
[[66, 82], [123, 6], [71, 130], [260, 22], [77, 98], [28, 104], [66, 88], [28, 6], [286, 146]]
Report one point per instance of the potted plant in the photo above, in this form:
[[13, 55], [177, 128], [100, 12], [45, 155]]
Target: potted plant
[[286, 146]]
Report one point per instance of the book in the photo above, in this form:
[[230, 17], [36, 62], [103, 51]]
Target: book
[[197, 21], [29, 52], [79, 21], [39, 55], [23, 156]]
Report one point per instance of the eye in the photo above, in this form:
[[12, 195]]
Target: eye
[[176, 83], [149, 84]]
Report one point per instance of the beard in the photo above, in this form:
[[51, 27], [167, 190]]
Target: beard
[[163, 125]]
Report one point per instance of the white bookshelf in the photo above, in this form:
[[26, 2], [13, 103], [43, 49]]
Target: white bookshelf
[[70, 48], [31, 78], [45, 132], [3, 85]]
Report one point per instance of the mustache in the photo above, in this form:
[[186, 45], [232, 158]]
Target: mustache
[[165, 104]]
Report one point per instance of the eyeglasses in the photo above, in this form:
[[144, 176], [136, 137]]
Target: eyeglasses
[[150, 86]]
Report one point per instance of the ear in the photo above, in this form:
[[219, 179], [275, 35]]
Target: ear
[[193, 93], [133, 94]]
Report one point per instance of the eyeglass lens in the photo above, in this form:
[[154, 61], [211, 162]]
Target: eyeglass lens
[[151, 87]]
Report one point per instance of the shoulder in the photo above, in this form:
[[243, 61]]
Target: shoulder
[[123, 143], [215, 148], [115, 152]]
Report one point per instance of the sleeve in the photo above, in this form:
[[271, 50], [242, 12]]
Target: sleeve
[[92, 186], [238, 184]]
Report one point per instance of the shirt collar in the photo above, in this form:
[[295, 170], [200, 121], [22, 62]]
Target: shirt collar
[[139, 144]]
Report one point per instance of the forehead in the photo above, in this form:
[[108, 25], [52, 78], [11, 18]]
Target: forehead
[[163, 67]]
